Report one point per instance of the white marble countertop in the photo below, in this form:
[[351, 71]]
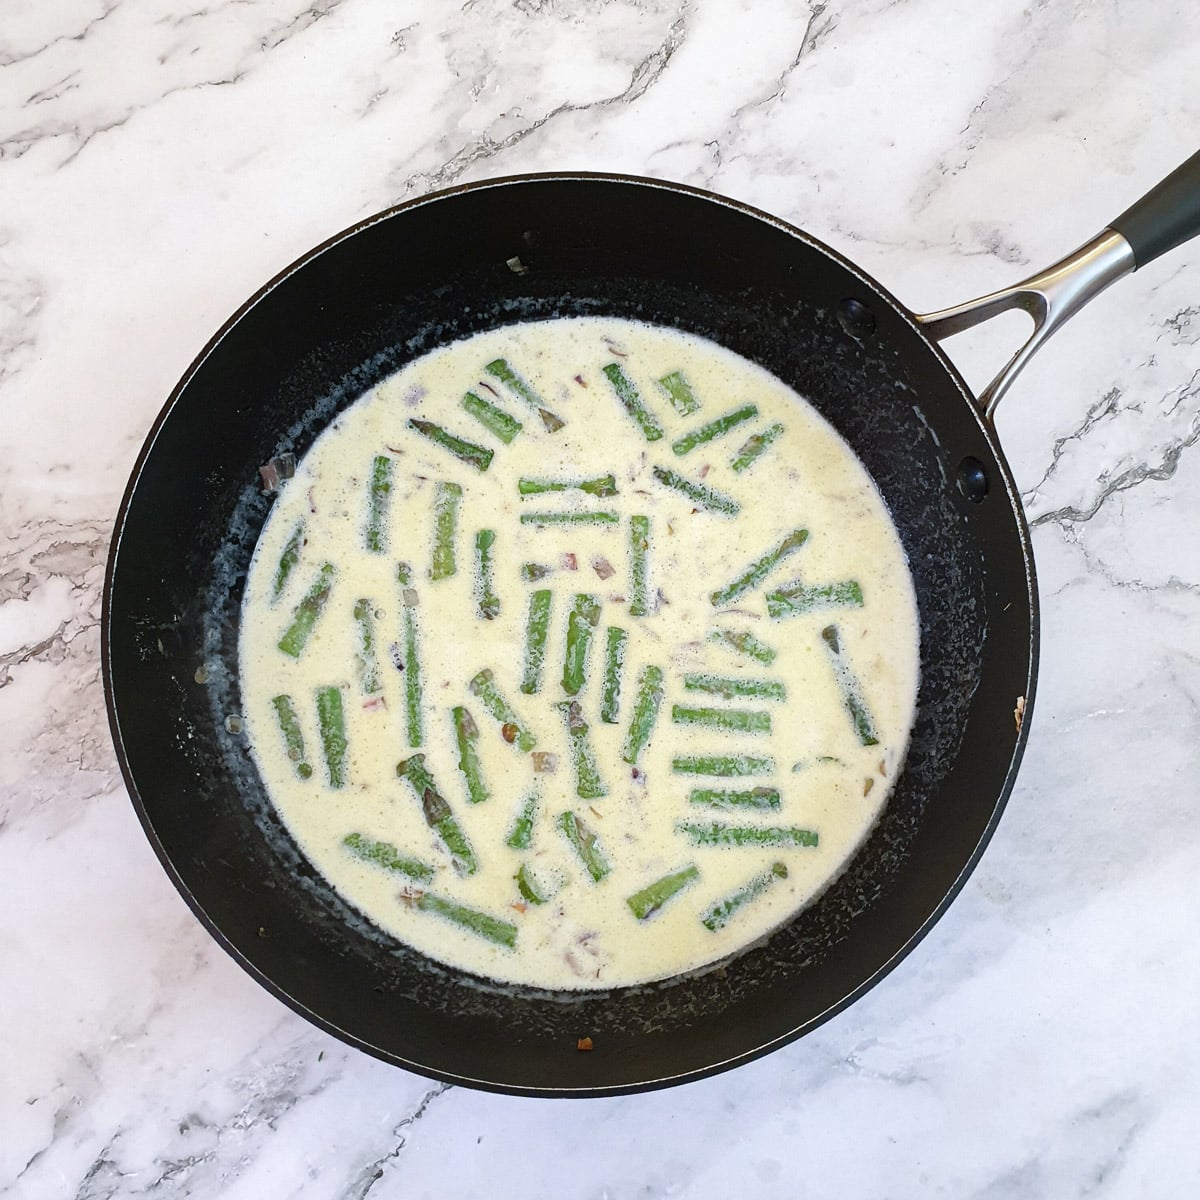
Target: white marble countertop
[[157, 164]]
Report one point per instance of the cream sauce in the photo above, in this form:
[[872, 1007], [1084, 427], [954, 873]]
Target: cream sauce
[[828, 781]]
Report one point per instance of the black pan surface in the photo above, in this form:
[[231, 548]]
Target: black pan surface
[[356, 309]]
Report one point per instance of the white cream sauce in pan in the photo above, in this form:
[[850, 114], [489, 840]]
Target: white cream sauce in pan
[[833, 687]]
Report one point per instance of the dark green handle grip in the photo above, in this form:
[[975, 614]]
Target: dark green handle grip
[[1166, 216]]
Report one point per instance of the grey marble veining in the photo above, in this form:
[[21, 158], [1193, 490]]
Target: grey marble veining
[[158, 162]]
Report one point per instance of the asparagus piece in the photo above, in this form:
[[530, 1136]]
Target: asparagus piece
[[570, 518], [614, 664], [499, 369], [651, 898], [288, 559], [588, 784], [639, 545], [446, 499], [488, 601], [758, 571], [735, 720], [438, 814], [503, 933], [765, 799], [307, 612], [722, 764], [679, 392], [385, 855], [293, 735], [581, 621], [493, 419], [754, 446], [368, 663], [583, 842], [645, 713], [731, 686], [604, 485], [744, 642], [377, 503], [714, 429], [697, 493], [466, 734], [537, 629], [719, 915], [332, 724], [851, 689], [412, 661], [718, 833], [529, 887], [627, 393], [484, 686], [520, 834], [532, 572], [475, 455], [794, 599]]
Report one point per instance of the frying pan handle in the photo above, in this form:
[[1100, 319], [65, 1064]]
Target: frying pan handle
[[1165, 217]]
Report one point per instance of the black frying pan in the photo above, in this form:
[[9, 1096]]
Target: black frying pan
[[390, 289]]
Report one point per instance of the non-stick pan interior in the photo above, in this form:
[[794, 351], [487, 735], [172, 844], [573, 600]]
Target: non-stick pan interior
[[349, 315]]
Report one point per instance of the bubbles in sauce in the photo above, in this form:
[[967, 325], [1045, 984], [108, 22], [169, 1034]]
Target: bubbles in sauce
[[579, 654]]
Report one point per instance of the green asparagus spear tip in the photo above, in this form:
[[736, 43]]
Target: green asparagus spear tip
[[583, 842], [758, 571], [795, 599], [851, 689], [645, 713], [763, 798], [588, 784], [438, 814], [537, 629], [529, 887], [307, 612], [494, 419], [466, 735], [368, 662], [724, 765], [385, 855], [581, 621], [753, 447], [503, 933], [627, 393], [499, 369], [605, 485], [735, 720], [698, 493], [743, 642], [520, 834], [332, 724], [377, 503], [639, 546], [720, 914], [473, 454], [293, 736], [718, 833], [714, 429], [446, 499], [487, 600], [511, 726], [614, 665], [679, 392], [731, 686], [650, 899], [288, 559], [570, 518]]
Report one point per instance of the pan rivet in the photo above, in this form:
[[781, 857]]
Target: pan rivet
[[972, 479], [856, 318]]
